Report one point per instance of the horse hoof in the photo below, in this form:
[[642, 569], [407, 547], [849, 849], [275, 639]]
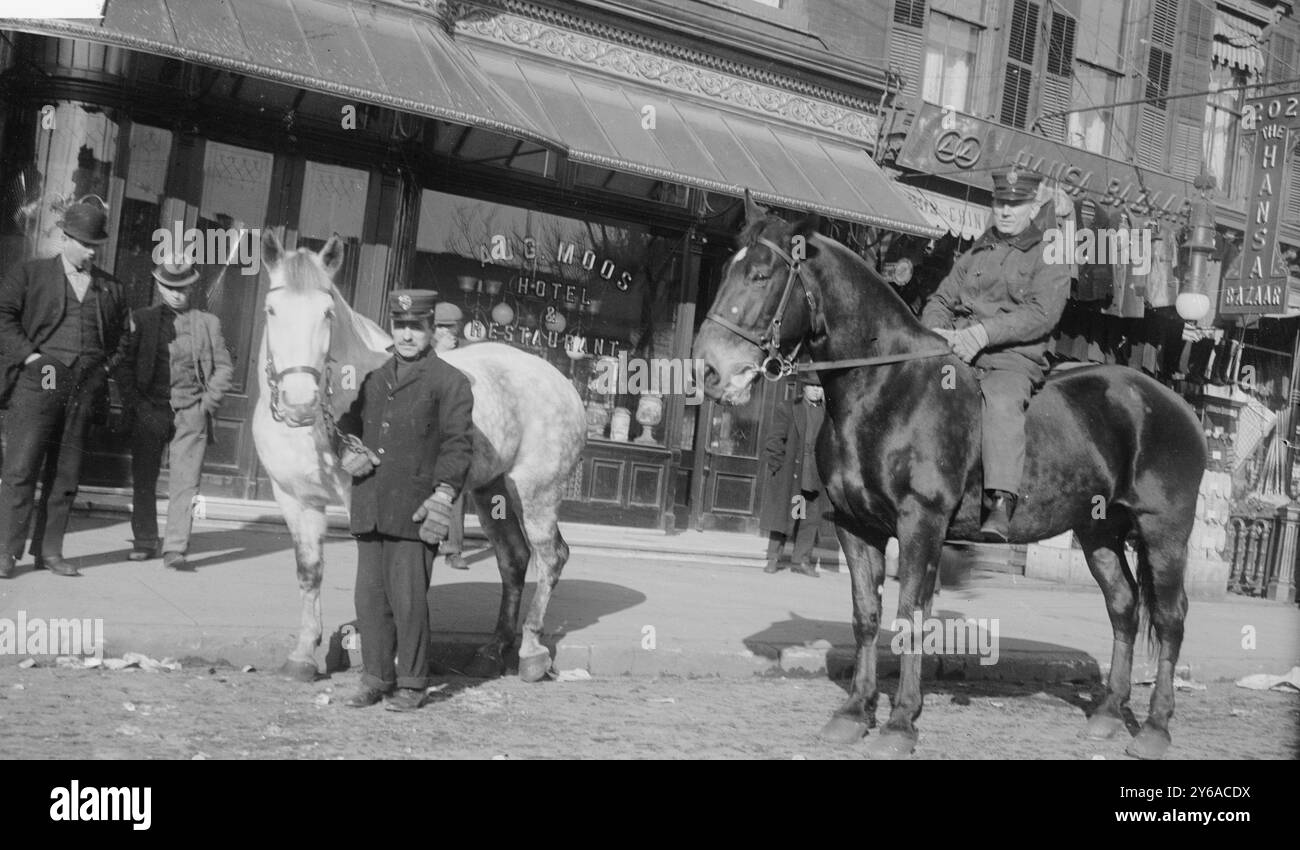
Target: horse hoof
[[485, 665], [299, 671], [890, 746], [1150, 743], [1102, 727], [533, 668], [843, 731]]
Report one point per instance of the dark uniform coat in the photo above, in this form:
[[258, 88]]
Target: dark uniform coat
[[1007, 286], [784, 454], [421, 430]]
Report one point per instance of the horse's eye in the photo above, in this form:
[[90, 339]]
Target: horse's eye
[[270, 311], [329, 314]]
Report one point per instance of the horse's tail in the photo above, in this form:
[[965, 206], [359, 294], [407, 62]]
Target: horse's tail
[[1146, 598]]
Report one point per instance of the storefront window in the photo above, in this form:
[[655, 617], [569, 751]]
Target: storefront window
[[142, 205], [72, 158], [595, 299], [236, 187], [334, 201]]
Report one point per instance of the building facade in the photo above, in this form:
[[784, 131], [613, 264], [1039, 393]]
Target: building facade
[[569, 174]]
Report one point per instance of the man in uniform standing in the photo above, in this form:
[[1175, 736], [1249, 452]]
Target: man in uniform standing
[[997, 309], [408, 446], [62, 321]]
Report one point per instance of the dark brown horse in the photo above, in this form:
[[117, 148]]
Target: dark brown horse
[[1110, 452]]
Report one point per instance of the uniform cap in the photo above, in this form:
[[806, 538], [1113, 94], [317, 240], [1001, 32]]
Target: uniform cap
[[1011, 183], [411, 303]]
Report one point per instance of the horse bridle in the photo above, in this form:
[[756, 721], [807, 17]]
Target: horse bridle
[[777, 365], [323, 382]]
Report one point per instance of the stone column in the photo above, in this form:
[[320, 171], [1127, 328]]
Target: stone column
[[1281, 584]]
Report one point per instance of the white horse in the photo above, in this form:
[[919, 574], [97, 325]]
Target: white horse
[[529, 432]]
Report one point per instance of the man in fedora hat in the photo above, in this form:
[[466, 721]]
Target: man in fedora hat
[[174, 374], [62, 323], [997, 309], [407, 444]]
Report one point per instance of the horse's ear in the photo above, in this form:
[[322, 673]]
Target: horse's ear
[[331, 256], [272, 250], [753, 212]]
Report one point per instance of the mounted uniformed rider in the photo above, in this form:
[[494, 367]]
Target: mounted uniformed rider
[[997, 309]]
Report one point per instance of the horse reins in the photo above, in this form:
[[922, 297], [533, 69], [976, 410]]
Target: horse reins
[[777, 365]]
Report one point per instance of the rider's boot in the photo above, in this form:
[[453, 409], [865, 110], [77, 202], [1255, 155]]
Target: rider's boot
[[1001, 505]]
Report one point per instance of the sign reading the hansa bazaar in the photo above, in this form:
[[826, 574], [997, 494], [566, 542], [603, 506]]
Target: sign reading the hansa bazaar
[[1256, 282], [966, 149]]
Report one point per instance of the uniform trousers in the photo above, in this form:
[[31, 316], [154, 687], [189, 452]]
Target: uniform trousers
[[1006, 393], [48, 420], [392, 593], [157, 425]]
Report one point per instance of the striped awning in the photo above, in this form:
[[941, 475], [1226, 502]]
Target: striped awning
[[367, 51], [1236, 43], [696, 143]]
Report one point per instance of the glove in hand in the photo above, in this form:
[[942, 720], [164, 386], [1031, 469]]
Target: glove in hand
[[969, 342], [434, 515], [357, 460]]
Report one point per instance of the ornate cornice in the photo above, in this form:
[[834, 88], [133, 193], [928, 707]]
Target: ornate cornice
[[605, 49]]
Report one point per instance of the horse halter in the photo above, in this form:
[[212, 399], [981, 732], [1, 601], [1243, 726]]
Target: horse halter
[[776, 365], [273, 378]]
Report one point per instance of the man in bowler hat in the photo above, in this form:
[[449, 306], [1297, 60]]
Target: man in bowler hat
[[407, 444], [62, 322], [174, 374], [997, 309]]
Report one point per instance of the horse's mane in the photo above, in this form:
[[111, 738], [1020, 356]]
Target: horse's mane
[[855, 264]]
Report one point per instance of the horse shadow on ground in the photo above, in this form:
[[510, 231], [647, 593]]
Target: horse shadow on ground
[[463, 615], [1024, 667]]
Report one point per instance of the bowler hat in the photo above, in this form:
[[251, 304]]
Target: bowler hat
[[175, 273], [1012, 183], [85, 222], [447, 313], [411, 303]]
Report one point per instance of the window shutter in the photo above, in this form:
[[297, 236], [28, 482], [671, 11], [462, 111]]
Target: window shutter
[[1283, 64], [907, 43], [910, 13], [1153, 122], [1015, 96], [1018, 78], [1057, 84], [1193, 76]]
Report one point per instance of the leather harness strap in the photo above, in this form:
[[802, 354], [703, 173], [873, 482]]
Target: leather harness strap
[[778, 365]]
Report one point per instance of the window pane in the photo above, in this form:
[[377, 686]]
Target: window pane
[[949, 62], [1101, 32], [1091, 130]]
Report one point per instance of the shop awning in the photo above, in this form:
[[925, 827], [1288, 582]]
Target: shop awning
[[1236, 43], [627, 126], [364, 51], [961, 218]]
